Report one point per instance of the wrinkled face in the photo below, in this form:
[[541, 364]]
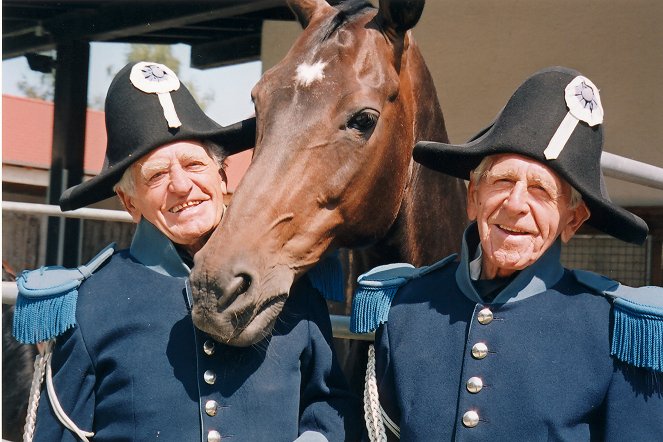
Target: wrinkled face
[[179, 188], [521, 208]]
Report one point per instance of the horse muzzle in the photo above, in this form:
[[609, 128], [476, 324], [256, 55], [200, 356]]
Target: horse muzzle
[[236, 308]]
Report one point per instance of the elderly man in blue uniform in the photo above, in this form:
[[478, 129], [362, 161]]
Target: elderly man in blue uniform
[[128, 363], [503, 343]]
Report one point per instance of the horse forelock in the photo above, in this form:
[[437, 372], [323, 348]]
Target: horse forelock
[[346, 11]]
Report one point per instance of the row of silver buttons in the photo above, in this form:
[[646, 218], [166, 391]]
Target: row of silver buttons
[[475, 384], [209, 377]]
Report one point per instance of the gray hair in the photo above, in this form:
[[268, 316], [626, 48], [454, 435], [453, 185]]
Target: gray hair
[[127, 185], [487, 162]]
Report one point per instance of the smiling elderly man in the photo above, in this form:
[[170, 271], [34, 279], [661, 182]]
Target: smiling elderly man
[[503, 343], [128, 363]]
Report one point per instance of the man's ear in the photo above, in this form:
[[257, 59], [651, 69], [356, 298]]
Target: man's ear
[[127, 202], [471, 201], [578, 217], [224, 184]]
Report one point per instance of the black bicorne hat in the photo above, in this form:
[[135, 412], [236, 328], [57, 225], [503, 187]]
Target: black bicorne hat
[[554, 117], [147, 107]]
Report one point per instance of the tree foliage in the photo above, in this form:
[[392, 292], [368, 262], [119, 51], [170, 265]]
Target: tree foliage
[[44, 88]]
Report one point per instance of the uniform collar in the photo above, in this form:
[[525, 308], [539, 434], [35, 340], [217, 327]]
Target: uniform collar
[[155, 251], [535, 279]]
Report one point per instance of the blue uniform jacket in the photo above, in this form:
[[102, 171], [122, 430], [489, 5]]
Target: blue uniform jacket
[[545, 373], [134, 368]]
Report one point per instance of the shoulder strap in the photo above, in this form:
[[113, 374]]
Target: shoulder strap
[[637, 336], [46, 302], [376, 290]]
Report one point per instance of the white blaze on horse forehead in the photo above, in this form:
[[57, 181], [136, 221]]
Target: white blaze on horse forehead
[[308, 73]]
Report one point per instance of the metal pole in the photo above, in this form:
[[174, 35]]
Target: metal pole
[[50, 210], [626, 169], [340, 324]]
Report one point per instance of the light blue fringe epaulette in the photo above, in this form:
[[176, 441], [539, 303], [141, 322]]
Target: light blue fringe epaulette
[[327, 277], [637, 334], [376, 290], [46, 302]]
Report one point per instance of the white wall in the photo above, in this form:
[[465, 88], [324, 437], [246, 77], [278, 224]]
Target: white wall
[[479, 51]]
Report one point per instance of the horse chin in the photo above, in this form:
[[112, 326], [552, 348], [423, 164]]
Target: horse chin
[[239, 326]]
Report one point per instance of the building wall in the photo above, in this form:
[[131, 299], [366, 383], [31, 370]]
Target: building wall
[[479, 51]]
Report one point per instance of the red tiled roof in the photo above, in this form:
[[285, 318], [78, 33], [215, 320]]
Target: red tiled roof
[[27, 134], [27, 138]]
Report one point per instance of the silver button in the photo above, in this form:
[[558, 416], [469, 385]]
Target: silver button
[[208, 347], [210, 377], [479, 350], [474, 384], [210, 408], [213, 436], [471, 419], [485, 316]]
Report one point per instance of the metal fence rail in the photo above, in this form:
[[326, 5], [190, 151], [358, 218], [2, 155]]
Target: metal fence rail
[[633, 171], [340, 324], [614, 166]]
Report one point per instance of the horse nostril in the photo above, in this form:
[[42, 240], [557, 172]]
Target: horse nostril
[[239, 284]]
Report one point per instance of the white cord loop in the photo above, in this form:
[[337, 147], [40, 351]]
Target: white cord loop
[[43, 366]]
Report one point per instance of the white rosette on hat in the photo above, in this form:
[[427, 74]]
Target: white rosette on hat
[[584, 104], [155, 78]]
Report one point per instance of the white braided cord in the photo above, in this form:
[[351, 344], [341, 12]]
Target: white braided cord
[[35, 393], [372, 409], [55, 403]]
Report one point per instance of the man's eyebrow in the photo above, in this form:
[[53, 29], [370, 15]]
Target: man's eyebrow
[[151, 167], [548, 185], [187, 156], [508, 173]]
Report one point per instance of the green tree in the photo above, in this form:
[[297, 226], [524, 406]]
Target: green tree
[[44, 89], [157, 53], [45, 86], [163, 54]]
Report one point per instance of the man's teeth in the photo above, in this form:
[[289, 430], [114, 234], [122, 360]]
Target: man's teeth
[[511, 229], [180, 207]]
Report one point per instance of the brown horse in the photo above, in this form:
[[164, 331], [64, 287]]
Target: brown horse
[[337, 120]]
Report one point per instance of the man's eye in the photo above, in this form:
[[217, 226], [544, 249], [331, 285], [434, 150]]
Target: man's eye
[[156, 176], [193, 165]]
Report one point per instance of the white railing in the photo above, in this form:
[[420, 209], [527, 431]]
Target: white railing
[[340, 324], [614, 166], [626, 169]]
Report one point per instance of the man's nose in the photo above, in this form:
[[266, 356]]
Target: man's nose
[[517, 199], [179, 181]]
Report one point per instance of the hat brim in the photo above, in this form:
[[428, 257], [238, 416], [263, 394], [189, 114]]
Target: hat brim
[[460, 159], [233, 139]]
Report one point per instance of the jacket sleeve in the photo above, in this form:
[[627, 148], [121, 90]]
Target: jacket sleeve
[[73, 382], [633, 404], [327, 406]]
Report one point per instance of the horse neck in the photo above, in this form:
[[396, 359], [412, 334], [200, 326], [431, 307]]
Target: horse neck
[[431, 218]]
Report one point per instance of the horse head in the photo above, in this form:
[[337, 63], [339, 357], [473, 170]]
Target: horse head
[[336, 122]]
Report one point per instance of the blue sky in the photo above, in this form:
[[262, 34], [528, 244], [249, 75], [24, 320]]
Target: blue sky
[[231, 85]]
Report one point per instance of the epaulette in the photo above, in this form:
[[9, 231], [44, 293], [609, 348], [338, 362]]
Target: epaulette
[[637, 335], [46, 302], [327, 277], [376, 290]]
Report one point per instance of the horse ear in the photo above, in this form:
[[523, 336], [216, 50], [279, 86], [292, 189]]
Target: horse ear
[[305, 10], [401, 15]]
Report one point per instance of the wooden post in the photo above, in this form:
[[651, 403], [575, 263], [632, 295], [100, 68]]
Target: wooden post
[[70, 99]]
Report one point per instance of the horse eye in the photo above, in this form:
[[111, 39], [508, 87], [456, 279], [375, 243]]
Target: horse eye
[[364, 120]]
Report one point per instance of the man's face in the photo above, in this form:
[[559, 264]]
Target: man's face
[[179, 188], [521, 207]]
